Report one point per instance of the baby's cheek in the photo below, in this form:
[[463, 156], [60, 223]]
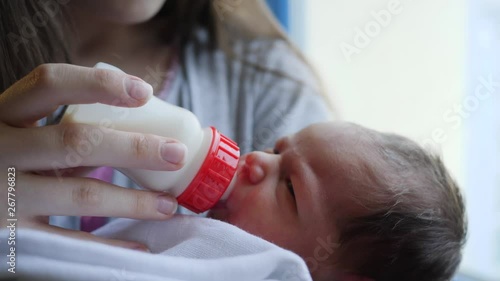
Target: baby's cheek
[[247, 218], [252, 212]]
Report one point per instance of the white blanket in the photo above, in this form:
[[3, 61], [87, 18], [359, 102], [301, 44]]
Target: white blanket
[[184, 248]]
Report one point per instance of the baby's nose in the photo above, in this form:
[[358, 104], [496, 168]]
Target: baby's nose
[[258, 165]]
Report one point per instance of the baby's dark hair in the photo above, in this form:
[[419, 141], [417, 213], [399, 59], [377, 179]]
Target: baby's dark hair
[[416, 226]]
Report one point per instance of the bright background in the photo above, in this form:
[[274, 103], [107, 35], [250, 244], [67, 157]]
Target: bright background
[[412, 77]]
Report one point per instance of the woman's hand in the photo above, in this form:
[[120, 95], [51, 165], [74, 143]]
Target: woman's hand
[[46, 181]]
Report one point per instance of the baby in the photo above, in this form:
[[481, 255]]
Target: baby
[[354, 203]]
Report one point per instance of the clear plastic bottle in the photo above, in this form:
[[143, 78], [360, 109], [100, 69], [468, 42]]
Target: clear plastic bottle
[[210, 166]]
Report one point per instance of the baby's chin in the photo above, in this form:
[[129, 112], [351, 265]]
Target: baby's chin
[[222, 209]]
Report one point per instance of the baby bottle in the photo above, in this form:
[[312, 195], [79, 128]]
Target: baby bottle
[[211, 161]]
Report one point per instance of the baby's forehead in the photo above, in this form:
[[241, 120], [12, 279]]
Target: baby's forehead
[[341, 133], [347, 164]]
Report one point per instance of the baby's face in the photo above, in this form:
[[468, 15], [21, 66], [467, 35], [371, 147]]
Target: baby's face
[[291, 195]]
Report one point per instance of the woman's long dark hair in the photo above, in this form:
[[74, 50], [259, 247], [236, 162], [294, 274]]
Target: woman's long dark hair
[[33, 32]]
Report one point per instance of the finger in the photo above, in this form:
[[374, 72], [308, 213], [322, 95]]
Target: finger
[[269, 150], [73, 145], [52, 85], [67, 172], [90, 237], [47, 196]]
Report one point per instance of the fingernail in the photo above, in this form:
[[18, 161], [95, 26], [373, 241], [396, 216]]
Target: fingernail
[[166, 205], [138, 89], [173, 152]]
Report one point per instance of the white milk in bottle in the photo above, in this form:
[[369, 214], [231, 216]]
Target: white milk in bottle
[[210, 166]]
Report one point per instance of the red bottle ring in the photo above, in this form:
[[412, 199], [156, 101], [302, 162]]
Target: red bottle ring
[[214, 175]]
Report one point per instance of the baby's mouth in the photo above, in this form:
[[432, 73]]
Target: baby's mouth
[[241, 170], [248, 174], [236, 182]]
